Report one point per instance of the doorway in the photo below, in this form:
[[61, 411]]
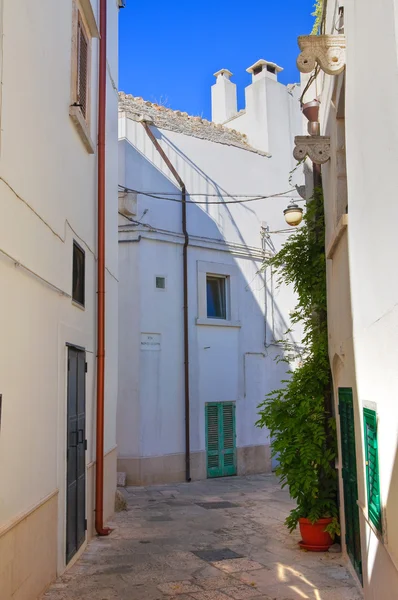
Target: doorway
[[220, 439], [76, 445]]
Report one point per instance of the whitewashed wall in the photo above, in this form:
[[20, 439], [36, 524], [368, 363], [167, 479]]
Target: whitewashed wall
[[48, 198], [372, 153], [151, 384]]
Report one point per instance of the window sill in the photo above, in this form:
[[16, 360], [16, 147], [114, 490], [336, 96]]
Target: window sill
[[81, 127], [338, 234], [78, 305], [218, 323]]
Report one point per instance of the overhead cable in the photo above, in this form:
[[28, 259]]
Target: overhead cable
[[161, 196]]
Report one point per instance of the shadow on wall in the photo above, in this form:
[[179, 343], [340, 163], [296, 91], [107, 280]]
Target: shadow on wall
[[381, 575], [222, 359]]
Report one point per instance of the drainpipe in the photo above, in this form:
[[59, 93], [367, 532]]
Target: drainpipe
[[185, 284], [99, 464]]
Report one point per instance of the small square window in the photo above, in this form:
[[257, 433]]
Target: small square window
[[216, 297], [78, 280], [160, 283]]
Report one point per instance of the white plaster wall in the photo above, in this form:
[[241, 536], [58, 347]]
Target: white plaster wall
[[271, 119], [52, 201], [372, 151], [154, 394]]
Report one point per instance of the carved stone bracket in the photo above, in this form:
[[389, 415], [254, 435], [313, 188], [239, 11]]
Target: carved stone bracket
[[328, 51], [317, 148]]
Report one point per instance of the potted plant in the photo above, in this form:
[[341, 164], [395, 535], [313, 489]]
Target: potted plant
[[298, 415]]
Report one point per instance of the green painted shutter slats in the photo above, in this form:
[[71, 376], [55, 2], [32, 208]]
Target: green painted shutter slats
[[350, 484], [220, 439], [372, 467]]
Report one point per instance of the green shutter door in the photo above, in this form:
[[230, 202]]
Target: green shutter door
[[220, 439], [213, 436], [350, 484], [372, 467]]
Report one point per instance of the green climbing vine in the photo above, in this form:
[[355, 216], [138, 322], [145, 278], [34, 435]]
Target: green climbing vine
[[298, 415], [318, 14]]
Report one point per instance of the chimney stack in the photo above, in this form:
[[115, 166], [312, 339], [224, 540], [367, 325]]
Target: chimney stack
[[223, 97], [264, 68], [264, 77]]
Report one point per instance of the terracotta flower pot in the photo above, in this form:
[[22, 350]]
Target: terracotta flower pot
[[315, 538]]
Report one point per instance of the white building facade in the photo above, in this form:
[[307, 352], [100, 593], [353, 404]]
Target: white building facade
[[49, 62], [359, 184], [236, 315]]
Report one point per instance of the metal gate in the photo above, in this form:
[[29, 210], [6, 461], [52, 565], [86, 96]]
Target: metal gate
[[76, 459], [220, 439], [350, 484]]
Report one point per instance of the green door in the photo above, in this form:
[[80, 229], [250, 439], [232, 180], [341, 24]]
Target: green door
[[350, 485], [220, 439]]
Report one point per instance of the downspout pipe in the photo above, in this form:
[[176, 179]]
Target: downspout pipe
[[185, 285], [99, 463]]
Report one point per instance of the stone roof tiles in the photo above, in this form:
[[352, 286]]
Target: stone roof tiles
[[181, 122]]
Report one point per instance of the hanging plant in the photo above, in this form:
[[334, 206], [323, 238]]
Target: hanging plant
[[298, 415]]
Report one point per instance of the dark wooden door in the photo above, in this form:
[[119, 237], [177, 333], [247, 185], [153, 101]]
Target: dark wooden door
[[75, 452], [350, 484]]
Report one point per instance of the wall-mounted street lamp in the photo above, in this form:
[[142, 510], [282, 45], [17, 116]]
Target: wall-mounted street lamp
[[293, 214]]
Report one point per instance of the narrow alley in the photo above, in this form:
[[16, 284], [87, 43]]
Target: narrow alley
[[217, 539]]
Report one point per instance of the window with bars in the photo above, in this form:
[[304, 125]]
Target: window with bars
[[78, 275], [82, 68], [372, 467], [83, 29]]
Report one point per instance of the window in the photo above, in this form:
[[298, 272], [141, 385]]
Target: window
[[218, 294], [84, 28], [216, 297], [372, 467], [271, 69], [78, 278], [82, 68], [257, 70], [160, 283]]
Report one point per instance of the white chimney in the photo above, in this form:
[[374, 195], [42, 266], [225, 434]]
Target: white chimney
[[223, 97], [264, 68], [264, 74]]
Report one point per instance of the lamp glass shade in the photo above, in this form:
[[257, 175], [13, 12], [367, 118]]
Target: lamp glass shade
[[293, 215]]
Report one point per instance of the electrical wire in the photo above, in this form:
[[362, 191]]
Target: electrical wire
[[161, 196]]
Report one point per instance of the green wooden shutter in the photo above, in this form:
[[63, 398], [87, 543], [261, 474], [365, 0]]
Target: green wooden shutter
[[213, 436], [372, 467], [350, 483], [228, 447], [220, 439]]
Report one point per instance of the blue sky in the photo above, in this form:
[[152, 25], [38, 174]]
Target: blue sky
[[168, 51]]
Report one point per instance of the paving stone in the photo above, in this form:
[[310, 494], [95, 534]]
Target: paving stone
[[211, 595], [216, 505], [261, 579], [175, 588], [242, 592], [216, 583], [214, 556], [146, 560], [237, 564]]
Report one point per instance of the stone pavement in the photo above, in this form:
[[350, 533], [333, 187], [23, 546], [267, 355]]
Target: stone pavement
[[218, 539]]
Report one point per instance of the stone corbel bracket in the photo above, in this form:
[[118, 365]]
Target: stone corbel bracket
[[328, 51], [317, 148]]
